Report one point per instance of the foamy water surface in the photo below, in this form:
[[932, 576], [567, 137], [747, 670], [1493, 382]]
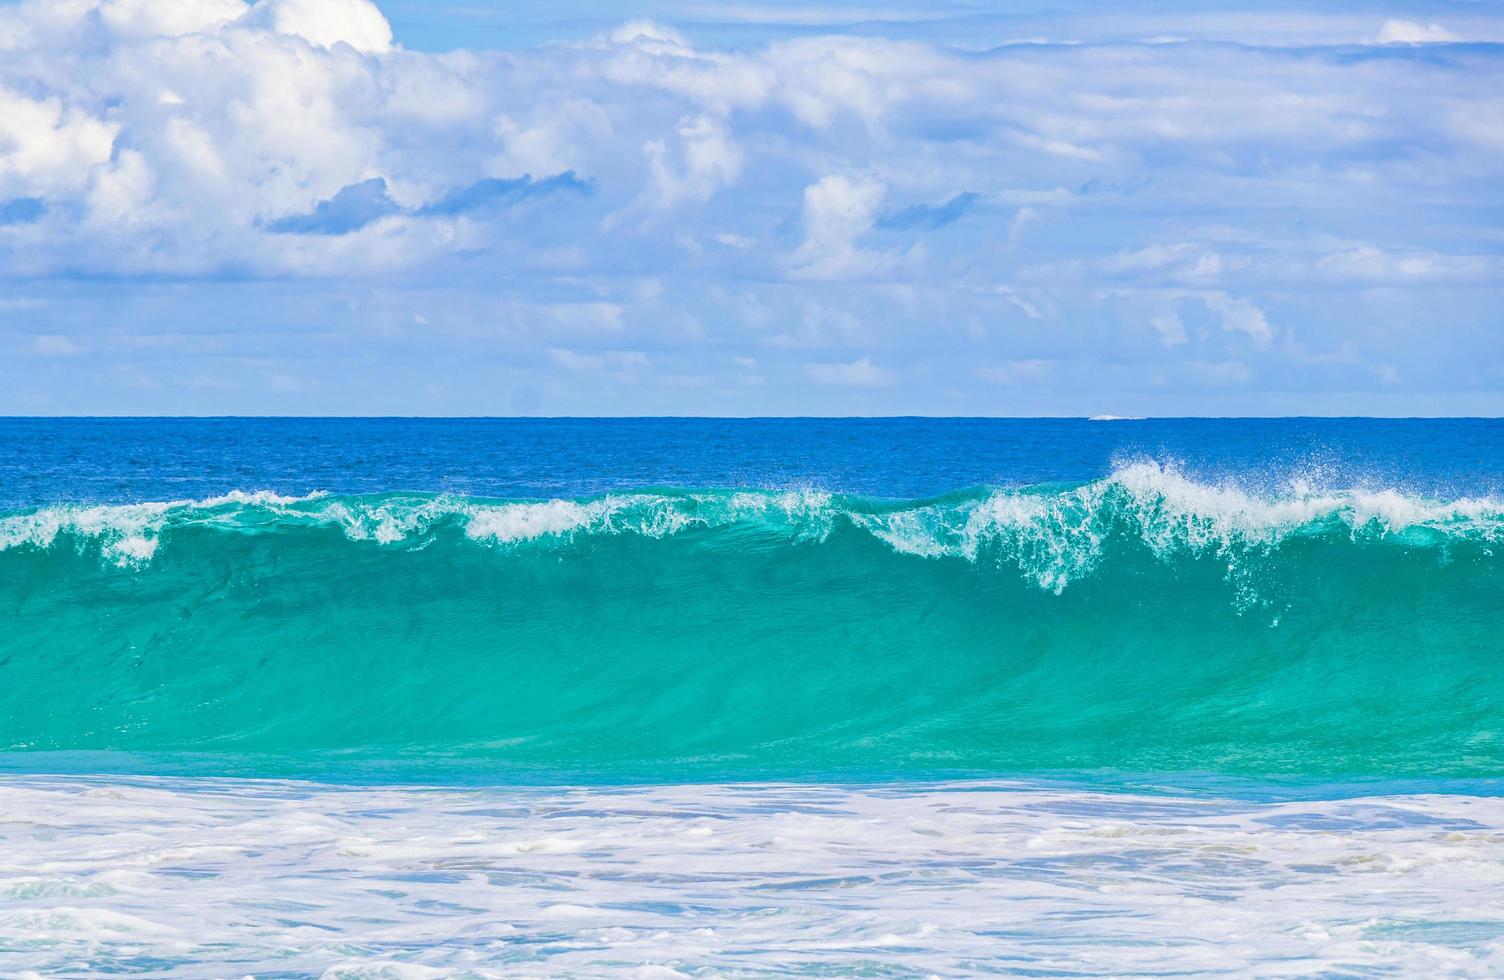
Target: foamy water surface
[[229, 878]]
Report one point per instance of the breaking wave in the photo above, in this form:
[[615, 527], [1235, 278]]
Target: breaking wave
[[1143, 621], [1053, 533]]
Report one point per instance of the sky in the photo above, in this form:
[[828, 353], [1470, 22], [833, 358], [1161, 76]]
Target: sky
[[330, 207]]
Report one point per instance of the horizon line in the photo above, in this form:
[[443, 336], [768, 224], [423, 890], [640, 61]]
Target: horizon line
[[750, 418]]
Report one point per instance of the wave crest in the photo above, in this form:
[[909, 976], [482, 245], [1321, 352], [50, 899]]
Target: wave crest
[[1054, 534]]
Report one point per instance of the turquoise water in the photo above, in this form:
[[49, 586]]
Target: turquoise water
[[1143, 622]]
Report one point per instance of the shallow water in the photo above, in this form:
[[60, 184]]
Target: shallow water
[[205, 877]]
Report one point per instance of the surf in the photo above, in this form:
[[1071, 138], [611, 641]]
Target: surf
[[1143, 622]]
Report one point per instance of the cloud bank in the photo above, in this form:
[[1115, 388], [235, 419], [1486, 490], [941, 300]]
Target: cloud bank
[[815, 222]]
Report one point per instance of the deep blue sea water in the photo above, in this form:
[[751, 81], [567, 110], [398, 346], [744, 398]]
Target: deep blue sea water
[[125, 460]]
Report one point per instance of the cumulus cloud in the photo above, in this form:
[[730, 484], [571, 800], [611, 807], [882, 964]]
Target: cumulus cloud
[[837, 211], [206, 130], [49, 148], [708, 161], [326, 23]]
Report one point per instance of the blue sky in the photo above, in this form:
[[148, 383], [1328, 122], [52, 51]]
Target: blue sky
[[746, 208]]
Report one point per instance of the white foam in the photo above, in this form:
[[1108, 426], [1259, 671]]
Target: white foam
[[809, 513], [649, 516], [1057, 537], [1052, 536], [1212, 514], [385, 521], [253, 498], [127, 534], [521, 522], [211, 877]]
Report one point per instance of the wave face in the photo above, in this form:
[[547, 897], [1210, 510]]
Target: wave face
[[1143, 622]]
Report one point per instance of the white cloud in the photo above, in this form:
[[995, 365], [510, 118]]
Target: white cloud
[[122, 193], [710, 160], [861, 373], [586, 318], [621, 363], [1183, 260], [1022, 218], [1029, 309], [189, 140], [1372, 264], [169, 136], [48, 148], [147, 18], [357, 23], [652, 37], [1410, 32], [823, 79], [56, 345], [731, 239], [1171, 331], [550, 138], [644, 58], [837, 211], [1241, 316]]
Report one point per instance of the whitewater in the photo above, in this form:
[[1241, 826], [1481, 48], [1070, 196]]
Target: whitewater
[[709, 698], [1166, 509], [237, 878]]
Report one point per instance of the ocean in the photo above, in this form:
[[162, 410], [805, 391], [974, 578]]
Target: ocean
[[865, 697]]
